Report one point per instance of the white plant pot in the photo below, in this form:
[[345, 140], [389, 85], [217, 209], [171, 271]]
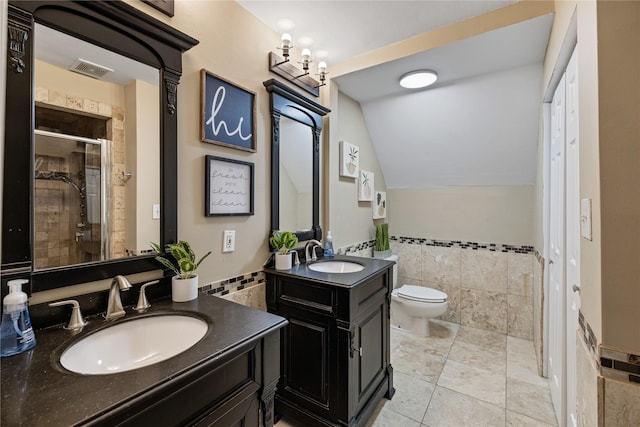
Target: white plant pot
[[184, 289], [283, 262]]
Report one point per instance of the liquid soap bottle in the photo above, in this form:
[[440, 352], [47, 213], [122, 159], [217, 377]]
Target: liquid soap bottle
[[16, 333], [328, 247]]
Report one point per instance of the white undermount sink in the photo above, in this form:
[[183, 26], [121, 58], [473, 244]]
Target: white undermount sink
[[336, 267], [133, 344]]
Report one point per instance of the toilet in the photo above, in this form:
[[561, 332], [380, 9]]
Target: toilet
[[412, 306]]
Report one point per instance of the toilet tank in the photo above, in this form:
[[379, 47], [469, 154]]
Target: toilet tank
[[395, 269]]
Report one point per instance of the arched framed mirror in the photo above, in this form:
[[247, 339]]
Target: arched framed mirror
[[296, 126], [65, 150]]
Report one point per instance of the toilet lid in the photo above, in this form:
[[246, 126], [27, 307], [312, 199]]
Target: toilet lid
[[421, 293]]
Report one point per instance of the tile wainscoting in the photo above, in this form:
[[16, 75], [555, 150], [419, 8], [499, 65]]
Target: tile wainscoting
[[247, 289], [490, 286]]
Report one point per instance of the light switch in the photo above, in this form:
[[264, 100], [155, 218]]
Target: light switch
[[585, 218], [156, 211], [229, 241]]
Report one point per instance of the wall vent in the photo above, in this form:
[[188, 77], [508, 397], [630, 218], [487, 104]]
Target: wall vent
[[90, 69]]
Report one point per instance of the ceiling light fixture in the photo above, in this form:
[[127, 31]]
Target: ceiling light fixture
[[418, 79]]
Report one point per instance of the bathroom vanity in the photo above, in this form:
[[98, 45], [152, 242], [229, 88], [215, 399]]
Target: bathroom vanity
[[335, 355], [226, 379]]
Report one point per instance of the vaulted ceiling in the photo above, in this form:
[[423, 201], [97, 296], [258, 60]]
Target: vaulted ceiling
[[478, 125]]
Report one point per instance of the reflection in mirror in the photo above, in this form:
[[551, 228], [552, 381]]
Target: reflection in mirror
[[97, 153], [296, 183]]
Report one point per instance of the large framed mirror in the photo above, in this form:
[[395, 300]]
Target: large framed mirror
[[296, 126], [90, 173]]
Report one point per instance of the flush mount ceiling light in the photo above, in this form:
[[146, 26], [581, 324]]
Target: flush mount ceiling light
[[418, 79]]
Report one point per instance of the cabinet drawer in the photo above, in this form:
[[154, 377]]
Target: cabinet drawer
[[307, 296]]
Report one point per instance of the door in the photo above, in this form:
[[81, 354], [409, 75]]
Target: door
[[556, 361], [573, 233]]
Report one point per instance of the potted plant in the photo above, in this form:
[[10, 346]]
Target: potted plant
[[283, 241], [184, 285], [382, 248]]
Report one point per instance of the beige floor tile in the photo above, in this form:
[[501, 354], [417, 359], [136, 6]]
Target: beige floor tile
[[412, 359], [395, 338], [412, 396], [518, 420], [531, 400], [480, 383], [441, 337], [521, 362], [482, 338], [451, 409], [387, 418], [479, 357]]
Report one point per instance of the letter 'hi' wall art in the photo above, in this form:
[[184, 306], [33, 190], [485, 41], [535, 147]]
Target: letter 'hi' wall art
[[227, 113]]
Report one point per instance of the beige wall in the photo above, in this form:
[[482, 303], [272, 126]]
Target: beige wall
[[619, 154], [74, 84], [475, 214], [234, 45], [350, 221], [142, 130]]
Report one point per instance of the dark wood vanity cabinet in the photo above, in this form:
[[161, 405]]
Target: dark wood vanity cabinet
[[334, 357]]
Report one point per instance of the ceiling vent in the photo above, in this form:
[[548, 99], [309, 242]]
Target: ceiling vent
[[90, 69]]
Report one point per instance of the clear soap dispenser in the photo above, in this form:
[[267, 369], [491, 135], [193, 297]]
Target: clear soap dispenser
[[328, 247], [16, 333]]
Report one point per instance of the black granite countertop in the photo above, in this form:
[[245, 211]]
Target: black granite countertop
[[38, 391], [372, 266]]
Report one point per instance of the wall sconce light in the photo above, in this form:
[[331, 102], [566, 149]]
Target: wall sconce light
[[286, 69]]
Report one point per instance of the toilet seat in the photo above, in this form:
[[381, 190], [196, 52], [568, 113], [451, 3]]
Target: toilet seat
[[421, 293]]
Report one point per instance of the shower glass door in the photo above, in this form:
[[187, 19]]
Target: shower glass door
[[70, 209]]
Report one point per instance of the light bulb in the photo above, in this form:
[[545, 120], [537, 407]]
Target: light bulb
[[322, 67], [286, 40], [306, 54]]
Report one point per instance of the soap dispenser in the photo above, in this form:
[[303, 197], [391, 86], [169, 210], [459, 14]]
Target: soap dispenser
[[16, 333], [328, 247]]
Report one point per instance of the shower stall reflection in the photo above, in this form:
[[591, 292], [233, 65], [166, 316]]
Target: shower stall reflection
[[71, 203]]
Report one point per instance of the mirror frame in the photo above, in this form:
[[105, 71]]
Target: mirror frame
[[116, 26], [284, 101]]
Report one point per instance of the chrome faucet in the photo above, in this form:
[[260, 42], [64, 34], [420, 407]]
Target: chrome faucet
[[114, 308], [311, 256]]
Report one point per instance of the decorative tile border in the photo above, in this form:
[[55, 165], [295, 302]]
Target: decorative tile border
[[612, 363], [233, 284], [356, 247], [493, 247]]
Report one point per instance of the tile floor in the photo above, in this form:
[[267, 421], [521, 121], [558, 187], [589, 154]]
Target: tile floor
[[462, 376]]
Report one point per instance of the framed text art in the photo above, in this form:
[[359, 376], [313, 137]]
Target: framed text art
[[227, 113], [228, 187]]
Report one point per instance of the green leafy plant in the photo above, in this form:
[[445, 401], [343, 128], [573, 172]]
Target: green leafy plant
[[382, 237], [353, 154], [283, 241], [184, 256]]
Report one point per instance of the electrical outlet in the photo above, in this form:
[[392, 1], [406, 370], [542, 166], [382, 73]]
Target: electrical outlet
[[229, 241], [156, 211]]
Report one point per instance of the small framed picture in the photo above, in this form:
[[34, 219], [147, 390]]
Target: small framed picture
[[349, 160], [227, 113], [228, 187], [365, 186], [379, 205]]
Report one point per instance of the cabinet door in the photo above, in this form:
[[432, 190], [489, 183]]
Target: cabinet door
[[308, 361], [369, 362]]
